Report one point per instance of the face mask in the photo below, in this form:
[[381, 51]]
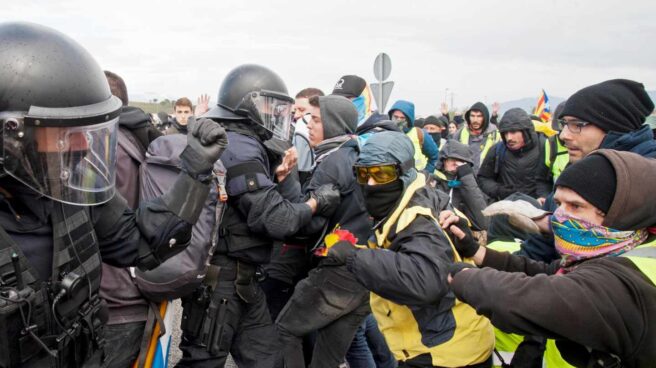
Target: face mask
[[380, 199], [436, 137], [577, 239]]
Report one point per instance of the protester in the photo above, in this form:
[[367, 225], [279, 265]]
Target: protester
[[300, 140], [182, 110], [598, 299], [456, 177], [605, 115], [406, 265], [128, 309], [479, 133], [512, 164], [437, 129], [329, 300], [355, 88], [426, 151]]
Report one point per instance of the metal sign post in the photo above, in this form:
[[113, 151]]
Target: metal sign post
[[383, 89]]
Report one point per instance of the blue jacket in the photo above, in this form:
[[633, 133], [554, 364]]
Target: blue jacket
[[639, 141], [429, 147]]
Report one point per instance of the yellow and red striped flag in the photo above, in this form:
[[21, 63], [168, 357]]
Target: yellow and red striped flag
[[542, 108]]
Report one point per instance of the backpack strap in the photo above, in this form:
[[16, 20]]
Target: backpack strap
[[420, 136]]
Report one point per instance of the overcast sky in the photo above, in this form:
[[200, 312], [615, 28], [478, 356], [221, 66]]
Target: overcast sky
[[480, 50]]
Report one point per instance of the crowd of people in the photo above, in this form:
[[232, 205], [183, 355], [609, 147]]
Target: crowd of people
[[318, 231]]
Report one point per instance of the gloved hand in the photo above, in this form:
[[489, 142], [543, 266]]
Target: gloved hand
[[206, 141], [340, 252], [456, 267], [464, 170], [466, 245], [328, 199]]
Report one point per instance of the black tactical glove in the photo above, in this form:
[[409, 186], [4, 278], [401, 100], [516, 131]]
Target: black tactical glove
[[328, 199], [340, 252], [206, 141], [464, 170], [467, 246], [456, 267]]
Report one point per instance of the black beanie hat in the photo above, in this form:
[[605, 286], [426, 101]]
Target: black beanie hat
[[349, 86], [434, 120], [593, 178], [618, 105]]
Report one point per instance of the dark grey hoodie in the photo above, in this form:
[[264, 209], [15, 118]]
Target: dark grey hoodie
[[338, 116]]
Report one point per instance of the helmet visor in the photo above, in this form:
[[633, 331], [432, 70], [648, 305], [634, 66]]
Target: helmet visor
[[271, 110], [75, 165]]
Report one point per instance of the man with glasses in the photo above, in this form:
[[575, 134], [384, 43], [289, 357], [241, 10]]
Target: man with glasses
[[608, 115], [405, 265], [426, 150]]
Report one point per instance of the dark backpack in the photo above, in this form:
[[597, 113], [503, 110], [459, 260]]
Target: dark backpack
[[183, 273]]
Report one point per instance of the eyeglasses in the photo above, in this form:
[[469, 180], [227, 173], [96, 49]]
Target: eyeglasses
[[574, 126], [382, 174]]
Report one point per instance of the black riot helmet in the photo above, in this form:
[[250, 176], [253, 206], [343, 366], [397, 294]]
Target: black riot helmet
[[57, 115], [254, 93]]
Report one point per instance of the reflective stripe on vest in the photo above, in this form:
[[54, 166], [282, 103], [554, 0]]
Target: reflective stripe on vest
[[420, 160], [473, 338], [490, 140], [504, 246]]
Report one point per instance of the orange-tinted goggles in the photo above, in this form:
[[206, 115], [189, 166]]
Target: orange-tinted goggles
[[382, 174]]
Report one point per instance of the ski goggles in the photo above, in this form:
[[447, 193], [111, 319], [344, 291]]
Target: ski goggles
[[382, 173]]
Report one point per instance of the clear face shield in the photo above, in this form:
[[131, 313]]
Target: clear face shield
[[271, 110], [73, 164]]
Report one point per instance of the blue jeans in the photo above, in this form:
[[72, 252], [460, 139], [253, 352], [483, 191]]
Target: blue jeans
[[369, 348]]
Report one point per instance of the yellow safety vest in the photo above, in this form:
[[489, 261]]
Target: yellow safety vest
[[420, 160], [492, 138], [561, 158], [473, 339]]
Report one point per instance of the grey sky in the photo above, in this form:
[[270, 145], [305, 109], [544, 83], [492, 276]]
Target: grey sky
[[481, 50]]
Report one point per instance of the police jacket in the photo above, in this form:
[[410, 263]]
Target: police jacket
[[56, 243], [606, 304], [258, 210], [406, 270]]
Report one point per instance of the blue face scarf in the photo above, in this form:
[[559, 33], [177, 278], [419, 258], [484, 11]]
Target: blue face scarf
[[358, 102]]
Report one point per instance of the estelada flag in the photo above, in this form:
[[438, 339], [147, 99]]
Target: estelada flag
[[542, 108]]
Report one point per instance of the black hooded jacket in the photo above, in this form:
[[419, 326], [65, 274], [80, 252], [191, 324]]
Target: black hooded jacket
[[504, 171]]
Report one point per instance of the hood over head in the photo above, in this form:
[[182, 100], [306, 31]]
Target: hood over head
[[390, 147], [454, 149], [517, 119], [407, 108], [376, 123], [338, 116], [633, 204], [479, 106]]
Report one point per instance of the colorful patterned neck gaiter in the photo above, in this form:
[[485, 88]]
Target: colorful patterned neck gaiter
[[578, 240]]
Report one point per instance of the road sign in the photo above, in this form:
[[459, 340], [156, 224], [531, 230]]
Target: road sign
[[382, 67], [381, 95]]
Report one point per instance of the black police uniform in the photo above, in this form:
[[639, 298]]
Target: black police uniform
[[230, 315]]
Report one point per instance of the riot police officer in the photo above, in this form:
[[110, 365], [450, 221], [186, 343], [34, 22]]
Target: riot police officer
[[228, 314], [59, 214]]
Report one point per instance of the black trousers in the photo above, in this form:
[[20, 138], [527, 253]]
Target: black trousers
[[244, 330], [330, 301]]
